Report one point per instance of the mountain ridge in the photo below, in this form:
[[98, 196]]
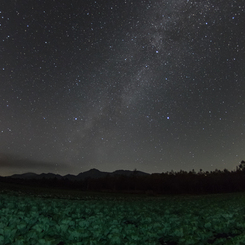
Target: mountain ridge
[[92, 173]]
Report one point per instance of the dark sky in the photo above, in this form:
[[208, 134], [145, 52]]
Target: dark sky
[[151, 85]]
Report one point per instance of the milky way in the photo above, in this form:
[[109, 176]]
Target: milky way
[[122, 85]]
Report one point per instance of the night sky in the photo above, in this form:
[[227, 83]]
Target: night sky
[[151, 85]]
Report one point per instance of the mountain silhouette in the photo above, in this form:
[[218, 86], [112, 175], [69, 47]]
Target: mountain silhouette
[[92, 173]]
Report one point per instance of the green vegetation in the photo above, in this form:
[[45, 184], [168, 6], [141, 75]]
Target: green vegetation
[[182, 208], [38, 217]]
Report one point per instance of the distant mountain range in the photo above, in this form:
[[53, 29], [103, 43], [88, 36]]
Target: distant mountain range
[[92, 173]]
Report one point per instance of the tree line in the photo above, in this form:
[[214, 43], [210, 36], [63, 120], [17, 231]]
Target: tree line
[[181, 182]]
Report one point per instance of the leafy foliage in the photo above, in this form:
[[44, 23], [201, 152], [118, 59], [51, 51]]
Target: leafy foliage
[[209, 219]]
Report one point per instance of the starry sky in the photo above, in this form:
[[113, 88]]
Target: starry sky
[[152, 85]]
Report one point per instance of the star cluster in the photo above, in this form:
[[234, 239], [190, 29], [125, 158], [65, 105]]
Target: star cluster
[[122, 85]]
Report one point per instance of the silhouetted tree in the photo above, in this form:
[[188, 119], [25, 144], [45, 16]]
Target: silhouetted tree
[[242, 166]]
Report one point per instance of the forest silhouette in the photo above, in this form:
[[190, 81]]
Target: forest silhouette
[[181, 182]]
